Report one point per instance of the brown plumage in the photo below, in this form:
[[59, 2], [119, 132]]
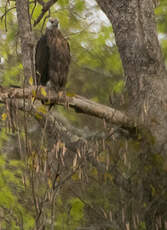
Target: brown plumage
[[52, 57]]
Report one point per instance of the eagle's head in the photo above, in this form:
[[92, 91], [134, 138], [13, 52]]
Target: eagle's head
[[52, 23]]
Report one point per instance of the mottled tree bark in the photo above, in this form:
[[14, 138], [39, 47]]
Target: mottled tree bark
[[134, 26], [25, 34]]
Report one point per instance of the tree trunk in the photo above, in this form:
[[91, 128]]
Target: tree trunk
[[134, 26], [27, 46]]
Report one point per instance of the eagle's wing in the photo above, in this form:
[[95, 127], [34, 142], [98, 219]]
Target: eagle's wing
[[59, 59], [42, 61]]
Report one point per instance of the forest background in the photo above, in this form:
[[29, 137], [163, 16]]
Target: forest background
[[65, 169]]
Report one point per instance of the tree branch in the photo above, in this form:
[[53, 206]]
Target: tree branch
[[80, 104], [45, 8]]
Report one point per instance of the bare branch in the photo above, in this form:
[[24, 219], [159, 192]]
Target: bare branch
[[80, 104], [45, 8], [5, 14], [41, 2]]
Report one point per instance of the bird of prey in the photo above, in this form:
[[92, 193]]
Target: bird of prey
[[52, 57]]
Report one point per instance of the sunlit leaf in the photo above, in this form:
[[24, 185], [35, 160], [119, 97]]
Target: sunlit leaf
[[50, 183], [34, 93], [30, 81], [43, 92], [4, 116], [42, 109]]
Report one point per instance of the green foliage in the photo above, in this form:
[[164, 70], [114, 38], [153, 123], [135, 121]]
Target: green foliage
[[63, 3], [11, 75], [76, 211], [11, 188], [3, 137], [142, 226], [129, 175], [72, 216], [118, 86], [161, 13], [79, 6]]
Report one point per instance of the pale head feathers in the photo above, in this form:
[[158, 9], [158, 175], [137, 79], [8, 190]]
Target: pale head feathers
[[52, 22]]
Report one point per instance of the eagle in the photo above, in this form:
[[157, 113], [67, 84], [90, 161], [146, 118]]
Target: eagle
[[52, 57]]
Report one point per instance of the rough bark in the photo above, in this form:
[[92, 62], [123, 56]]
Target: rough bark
[[134, 26], [25, 34]]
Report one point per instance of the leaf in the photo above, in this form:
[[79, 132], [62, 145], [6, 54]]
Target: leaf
[[30, 81], [76, 211], [71, 94], [34, 93], [50, 183], [42, 109], [38, 116], [4, 116], [43, 92]]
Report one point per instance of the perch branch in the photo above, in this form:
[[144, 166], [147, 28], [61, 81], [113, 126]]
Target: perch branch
[[80, 104]]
